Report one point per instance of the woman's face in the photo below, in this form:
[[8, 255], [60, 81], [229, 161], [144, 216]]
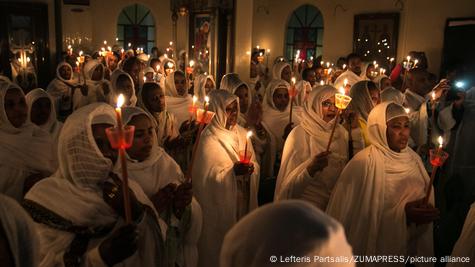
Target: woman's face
[[369, 70], [40, 111], [243, 95], [125, 86], [99, 134], [180, 84], [281, 98], [375, 96], [397, 133], [143, 138], [209, 86], [385, 83], [149, 76], [154, 100], [65, 72], [15, 107], [98, 73], [329, 109], [231, 114], [286, 74]]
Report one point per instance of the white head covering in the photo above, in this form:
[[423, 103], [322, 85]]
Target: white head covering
[[391, 94], [379, 79], [52, 125], [170, 89], [114, 78], [26, 147], [199, 89], [58, 75], [284, 229], [361, 99], [91, 66], [149, 70], [219, 100], [364, 68], [20, 232], [312, 115], [143, 57], [231, 82], [278, 68]]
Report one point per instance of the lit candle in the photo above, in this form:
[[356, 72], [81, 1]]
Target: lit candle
[[344, 66], [105, 42], [345, 82], [192, 63], [328, 64], [129, 44], [292, 94], [322, 82], [341, 102], [144, 79], [415, 62], [258, 47], [248, 135], [118, 110], [171, 43], [321, 63], [407, 110]]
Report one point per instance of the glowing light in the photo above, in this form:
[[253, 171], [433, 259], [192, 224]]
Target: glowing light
[[249, 134], [120, 100], [440, 140]]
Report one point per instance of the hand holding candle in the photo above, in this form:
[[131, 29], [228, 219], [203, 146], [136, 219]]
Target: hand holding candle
[[341, 102], [292, 93], [437, 159]]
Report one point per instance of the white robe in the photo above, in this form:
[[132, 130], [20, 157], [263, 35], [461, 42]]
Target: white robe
[[348, 74], [62, 90], [24, 151], [95, 92], [413, 100], [153, 174], [370, 196], [465, 246], [177, 105], [215, 184], [303, 144]]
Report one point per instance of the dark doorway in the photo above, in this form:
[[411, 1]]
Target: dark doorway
[[459, 53], [24, 35]]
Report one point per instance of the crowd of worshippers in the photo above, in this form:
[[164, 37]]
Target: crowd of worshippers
[[194, 199]]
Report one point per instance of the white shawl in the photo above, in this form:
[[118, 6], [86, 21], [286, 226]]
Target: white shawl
[[199, 86], [82, 168], [231, 82], [275, 120], [370, 196], [277, 70], [114, 90], [52, 126], [95, 91], [465, 246], [285, 229], [413, 100], [23, 151], [303, 144], [214, 181], [348, 74], [61, 89], [176, 104]]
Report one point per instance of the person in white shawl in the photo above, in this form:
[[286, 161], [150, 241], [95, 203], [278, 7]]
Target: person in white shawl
[[276, 107], [122, 83], [62, 88], [42, 112], [177, 98], [233, 84], [97, 88], [79, 211], [307, 170], [352, 74], [225, 188], [391, 94], [378, 196], [26, 151], [202, 86], [465, 246], [19, 244], [282, 71], [382, 82], [152, 99], [163, 182], [286, 229], [418, 87]]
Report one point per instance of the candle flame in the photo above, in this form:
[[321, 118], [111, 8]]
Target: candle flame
[[408, 58], [268, 50], [195, 98], [117, 39], [258, 47], [170, 65], [415, 62], [329, 71], [129, 44], [293, 80], [171, 43], [433, 95], [158, 68], [144, 79], [374, 63], [344, 66], [345, 82], [321, 63], [249, 134], [328, 64], [207, 99], [192, 63], [80, 53], [322, 83], [407, 110], [391, 60], [440, 140], [69, 46], [341, 90], [105, 42], [122, 50], [120, 100], [28, 59], [109, 48]]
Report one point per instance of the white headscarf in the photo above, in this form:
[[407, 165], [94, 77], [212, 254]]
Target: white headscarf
[[177, 105], [277, 70], [351, 77], [52, 126], [199, 89], [364, 68], [61, 89], [361, 99], [274, 119], [58, 74], [231, 82], [362, 187], [20, 232], [391, 94], [91, 66], [26, 147], [114, 77], [378, 80], [285, 229]]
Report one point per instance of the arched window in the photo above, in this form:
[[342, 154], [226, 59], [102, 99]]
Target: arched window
[[304, 33], [136, 27]]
